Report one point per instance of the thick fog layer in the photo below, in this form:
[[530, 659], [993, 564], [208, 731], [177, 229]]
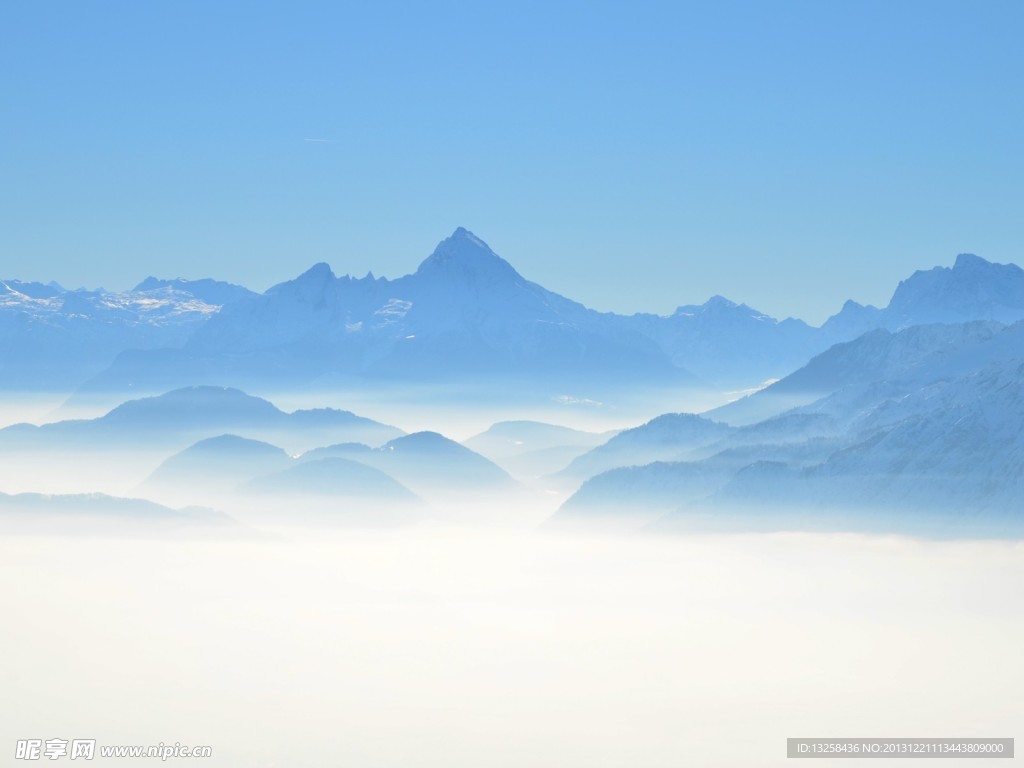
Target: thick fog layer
[[452, 647]]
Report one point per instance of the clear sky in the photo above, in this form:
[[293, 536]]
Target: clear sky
[[633, 156]]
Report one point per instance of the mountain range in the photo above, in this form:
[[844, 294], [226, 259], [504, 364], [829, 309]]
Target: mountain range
[[53, 339], [918, 429], [464, 314]]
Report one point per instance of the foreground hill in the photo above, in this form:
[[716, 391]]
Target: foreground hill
[[429, 463], [332, 477], [669, 437], [346, 482], [98, 514], [178, 418], [951, 451], [216, 463], [532, 449]]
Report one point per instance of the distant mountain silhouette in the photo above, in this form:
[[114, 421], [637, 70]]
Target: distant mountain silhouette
[[464, 312], [220, 463], [972, 289], [213, 292], [532, 449], [465, 315], [97, 514], [428, 461], [183, 416], [335, 477], [669, 437]]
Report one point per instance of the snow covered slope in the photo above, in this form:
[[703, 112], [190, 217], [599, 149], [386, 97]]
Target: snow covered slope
[[931, 432], [53, 339]]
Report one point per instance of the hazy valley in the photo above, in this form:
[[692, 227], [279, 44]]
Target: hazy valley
[[452, 501]]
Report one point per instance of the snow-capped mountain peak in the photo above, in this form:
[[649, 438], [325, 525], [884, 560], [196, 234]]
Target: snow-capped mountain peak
[[970, 261], [310, 287], [465, 257], [30, 290], [972, 288], [318, 273], [207, 290]]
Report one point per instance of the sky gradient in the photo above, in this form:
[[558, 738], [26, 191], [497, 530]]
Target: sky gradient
[[787, 155]]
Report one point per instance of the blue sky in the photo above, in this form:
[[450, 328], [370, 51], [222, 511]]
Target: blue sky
[[632, 156]]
